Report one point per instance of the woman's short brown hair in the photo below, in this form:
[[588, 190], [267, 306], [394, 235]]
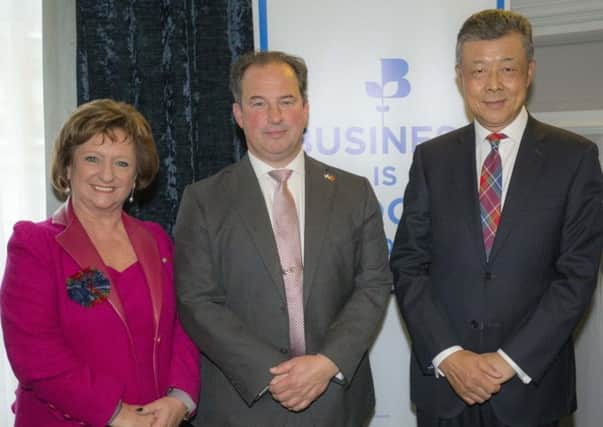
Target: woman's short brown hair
[[102, 116]]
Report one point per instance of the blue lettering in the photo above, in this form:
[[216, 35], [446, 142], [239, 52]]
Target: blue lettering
[[352, 139], [416, 137], [357, 140], [306, 142], [392, 213], [373, 132], [387, 173], [389, 178], [336, 142], [400, 144]]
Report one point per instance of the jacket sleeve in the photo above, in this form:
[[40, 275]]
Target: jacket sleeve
[[41, 359], [536, 344], [353, 330], [184, 367], [243, 357], [410, 260]]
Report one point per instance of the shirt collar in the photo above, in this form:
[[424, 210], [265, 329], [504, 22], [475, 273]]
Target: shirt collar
[[513, 130], [261, 168]]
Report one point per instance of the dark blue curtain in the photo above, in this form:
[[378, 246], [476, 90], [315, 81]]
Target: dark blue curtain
[[170, 59]]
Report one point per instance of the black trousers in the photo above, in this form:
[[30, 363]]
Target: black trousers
[[472, 416]]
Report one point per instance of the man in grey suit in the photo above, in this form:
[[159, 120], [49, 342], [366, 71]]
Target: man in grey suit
[[270, 359]]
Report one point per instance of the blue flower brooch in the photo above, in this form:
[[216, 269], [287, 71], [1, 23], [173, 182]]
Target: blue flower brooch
[[88, 287]]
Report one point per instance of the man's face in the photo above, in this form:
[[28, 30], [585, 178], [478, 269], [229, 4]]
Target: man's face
[[272, 113], [494, 76]]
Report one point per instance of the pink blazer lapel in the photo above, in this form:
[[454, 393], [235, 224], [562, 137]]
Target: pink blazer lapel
[[148, 255], [78, 245]]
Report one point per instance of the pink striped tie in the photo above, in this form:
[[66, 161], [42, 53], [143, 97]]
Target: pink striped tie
[[288, 242], [490, 191]]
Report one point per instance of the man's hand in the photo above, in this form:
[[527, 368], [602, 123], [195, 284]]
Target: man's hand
[[495, 360], [167, 411], [299, 381], [471, 376]]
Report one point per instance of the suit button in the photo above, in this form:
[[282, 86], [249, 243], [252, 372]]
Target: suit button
[[474, 324], [284, 350]]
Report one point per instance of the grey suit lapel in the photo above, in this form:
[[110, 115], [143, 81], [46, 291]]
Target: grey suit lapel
[[320, 184], [528, 166], [466, 180], [249, 202]]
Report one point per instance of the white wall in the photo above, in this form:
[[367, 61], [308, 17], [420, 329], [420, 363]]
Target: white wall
[[568, 92], [568, 77], [22, 165], [60, 94], [589, 354], [553, 102]]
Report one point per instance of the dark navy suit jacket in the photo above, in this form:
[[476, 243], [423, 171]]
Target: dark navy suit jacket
[[530, 294]]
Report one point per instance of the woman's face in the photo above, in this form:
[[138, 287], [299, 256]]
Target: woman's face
[[102, 172]]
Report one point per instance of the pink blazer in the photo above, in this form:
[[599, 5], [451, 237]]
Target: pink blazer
[[74, 363]]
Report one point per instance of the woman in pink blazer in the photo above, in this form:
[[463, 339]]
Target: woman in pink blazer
[[87, 300]]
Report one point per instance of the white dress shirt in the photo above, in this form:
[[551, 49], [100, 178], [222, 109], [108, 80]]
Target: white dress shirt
[[508, 149]]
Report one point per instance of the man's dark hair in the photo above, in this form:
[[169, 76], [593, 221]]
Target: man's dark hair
[[492, 24], [297, 64]]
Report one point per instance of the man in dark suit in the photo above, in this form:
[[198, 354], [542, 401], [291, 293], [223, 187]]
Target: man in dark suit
[[496, 255], [284, 336]]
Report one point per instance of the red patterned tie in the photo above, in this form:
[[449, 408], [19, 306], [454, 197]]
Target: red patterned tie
[[490, 191], [288, 242]]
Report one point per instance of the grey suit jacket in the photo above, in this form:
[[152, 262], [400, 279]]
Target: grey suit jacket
[[232, 301], [531, 292]]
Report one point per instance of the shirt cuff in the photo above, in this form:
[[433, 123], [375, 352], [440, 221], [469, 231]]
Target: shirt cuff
[[185, 399], [525, 378], [440, 358], [263, 392]]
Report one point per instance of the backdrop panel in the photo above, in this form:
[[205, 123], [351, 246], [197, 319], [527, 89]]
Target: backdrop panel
[[381, 81]]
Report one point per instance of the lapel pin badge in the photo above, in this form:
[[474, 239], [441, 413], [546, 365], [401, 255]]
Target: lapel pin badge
[[329, 177]]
